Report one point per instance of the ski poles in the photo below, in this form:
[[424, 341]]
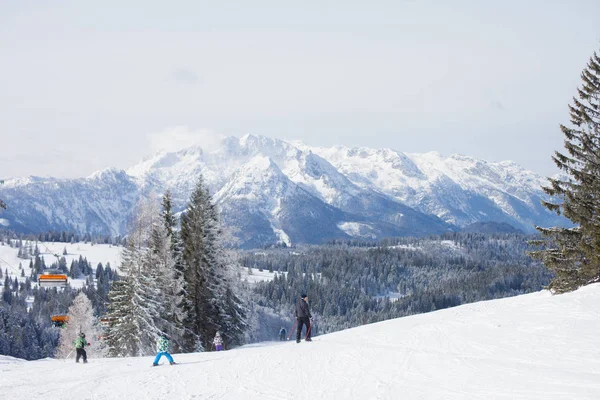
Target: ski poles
[[292, 330], [308, 330], [68, 355]]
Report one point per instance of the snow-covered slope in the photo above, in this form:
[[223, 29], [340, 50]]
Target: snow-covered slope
[[530, 347], [93, 253], [330, 192]]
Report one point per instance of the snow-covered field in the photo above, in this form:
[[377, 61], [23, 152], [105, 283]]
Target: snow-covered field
[[535, 346], [95, 254], [257, 275]]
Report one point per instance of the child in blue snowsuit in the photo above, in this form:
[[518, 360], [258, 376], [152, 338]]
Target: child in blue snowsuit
[[163, 350]]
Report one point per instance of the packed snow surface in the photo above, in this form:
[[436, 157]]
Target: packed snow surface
[[535, 346]]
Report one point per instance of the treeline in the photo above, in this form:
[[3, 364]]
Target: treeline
[[60, 237], [26, 310], [351, 283]]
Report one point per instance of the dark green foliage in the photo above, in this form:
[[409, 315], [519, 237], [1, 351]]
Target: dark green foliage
[[29, 335], [210, 303], [573, 254], [174, 287]]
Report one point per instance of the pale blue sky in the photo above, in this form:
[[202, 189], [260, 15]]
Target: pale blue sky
[[89, 85]]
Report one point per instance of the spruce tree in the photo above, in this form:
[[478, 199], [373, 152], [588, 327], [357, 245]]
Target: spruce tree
[[211, 301], [195, 270], [169, 219], [573, 254], [230, 317], [166, 245], [160, 267], [121, 335], [135, 304]]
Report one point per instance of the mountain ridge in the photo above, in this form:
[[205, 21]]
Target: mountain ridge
[[334, 192]]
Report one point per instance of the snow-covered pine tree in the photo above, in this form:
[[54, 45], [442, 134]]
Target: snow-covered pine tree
[[81, 319], [135, 305], [171, 223], [121, 335], [166, 244], [194, 270], [573, 254], [212, 304], [159, 265], [230, 312]]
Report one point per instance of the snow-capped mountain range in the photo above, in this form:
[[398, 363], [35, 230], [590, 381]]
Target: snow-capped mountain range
[[272, 191]]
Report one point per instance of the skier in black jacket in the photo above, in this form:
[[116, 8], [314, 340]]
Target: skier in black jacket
[[303, 317]]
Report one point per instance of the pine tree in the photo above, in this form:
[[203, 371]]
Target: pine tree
[[121, 336], [211, 302], [6, 290], [81, 319], [166, 246], [231, 314], [573, 254], [194, 270], [135, 303]]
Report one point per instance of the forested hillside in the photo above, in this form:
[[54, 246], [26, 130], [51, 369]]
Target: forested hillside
[[349, 283], [354, 283]]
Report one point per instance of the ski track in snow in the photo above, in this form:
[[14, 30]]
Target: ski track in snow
[[529, 347]]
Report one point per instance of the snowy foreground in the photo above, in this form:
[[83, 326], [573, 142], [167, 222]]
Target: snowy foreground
[[535, 346]]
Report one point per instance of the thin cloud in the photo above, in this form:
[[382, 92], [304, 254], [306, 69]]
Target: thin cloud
[[185, 76], [497, 105], [181, 137]]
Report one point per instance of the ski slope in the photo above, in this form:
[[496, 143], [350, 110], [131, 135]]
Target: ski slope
[[535, 346]]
